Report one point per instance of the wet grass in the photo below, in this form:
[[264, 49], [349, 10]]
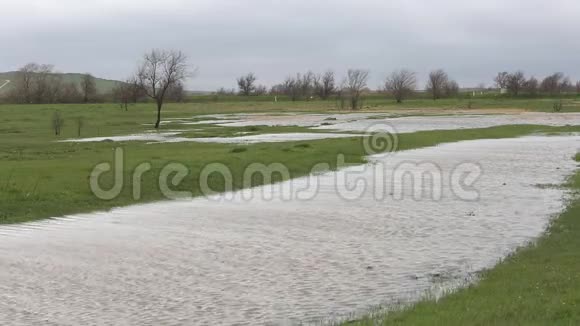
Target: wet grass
[[41, 178], [538, 285]]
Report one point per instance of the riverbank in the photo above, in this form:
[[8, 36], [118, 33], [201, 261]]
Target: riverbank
[[48, 179], [538, 285]]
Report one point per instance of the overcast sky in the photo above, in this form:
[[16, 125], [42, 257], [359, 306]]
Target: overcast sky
[[472, 40]]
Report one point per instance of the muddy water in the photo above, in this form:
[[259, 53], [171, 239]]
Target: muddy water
[[253, 261]]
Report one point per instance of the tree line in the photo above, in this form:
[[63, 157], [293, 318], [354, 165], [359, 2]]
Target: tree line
[[400, 84], [39, 84], [516, 83]]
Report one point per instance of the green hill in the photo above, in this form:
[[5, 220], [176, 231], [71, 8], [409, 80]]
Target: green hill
[[104, 86]]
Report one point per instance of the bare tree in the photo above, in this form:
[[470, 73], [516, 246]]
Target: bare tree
[[123, 92], [80, 124], [24, 83], [531, 86], [88, 87], [401, 84], [451, 88], [261, 90], [324, 85], [57, 123], [354, 84], [69, 93], [42, 83], [515, 82], [501, 79], [436, 84], [553, 84], [159, 71], [307, 85], [246, 84], [578, 87], [292, 87], [224, 91], [176, 93]]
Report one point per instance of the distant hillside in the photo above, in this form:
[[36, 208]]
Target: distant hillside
[[103, 85]]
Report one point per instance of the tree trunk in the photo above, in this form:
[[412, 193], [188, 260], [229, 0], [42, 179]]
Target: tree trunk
[[159, 104]]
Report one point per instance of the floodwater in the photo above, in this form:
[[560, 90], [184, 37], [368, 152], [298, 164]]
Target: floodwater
[[360, 122], [264, 138], [147, 136], [171, 137], [353, 122], [286, 260], [420, 123]]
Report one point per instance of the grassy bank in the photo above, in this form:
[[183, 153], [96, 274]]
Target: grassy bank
[[40, 177], [539, 285], [44, 178]]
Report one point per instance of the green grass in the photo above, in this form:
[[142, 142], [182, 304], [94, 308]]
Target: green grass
[[538, 285], [571, 103], [41, 178]]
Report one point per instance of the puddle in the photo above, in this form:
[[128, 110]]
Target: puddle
[[282, 262]]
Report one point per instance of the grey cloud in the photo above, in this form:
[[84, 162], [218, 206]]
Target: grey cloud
[[471, 39]]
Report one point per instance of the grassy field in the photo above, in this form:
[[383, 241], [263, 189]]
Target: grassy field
[[539, 285], [40, 177], [571, 103]]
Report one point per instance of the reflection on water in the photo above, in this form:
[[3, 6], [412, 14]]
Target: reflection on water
[[281, 262]]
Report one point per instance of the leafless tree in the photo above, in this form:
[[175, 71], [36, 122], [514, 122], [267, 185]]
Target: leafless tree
[[553, 83], [436, 83], [159, 71], [307, 85], [88, 87], [24, 83], [324, 85], [261, 90], [515, 82], [292, 87], [123, 92], [501, 79], [578, 87], [566, 85], [57, 123], [70, 93], [176, 93], [42, 83], [401, 84], [451, 88], [246, 84], [224, 91], [80, 125], [354, 84], [531, 86]]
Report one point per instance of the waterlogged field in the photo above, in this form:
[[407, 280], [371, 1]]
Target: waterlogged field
[[334, 255]]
